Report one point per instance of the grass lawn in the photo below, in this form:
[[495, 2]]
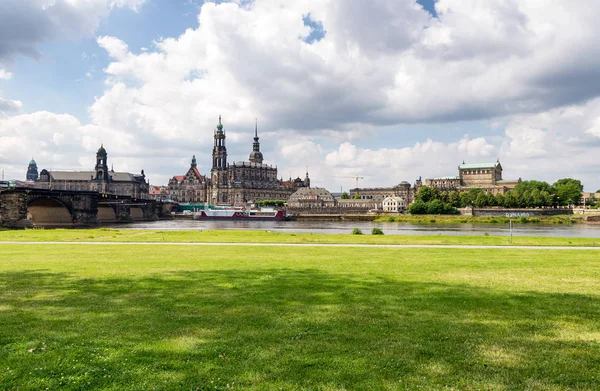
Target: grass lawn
[[231, 236], [78, 317]]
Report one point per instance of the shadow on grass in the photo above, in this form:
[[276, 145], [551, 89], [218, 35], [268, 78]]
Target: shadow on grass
[[289, 329]]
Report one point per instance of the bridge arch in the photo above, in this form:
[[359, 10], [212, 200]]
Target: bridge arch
[[107, 214], [137, 213], [49, 211]]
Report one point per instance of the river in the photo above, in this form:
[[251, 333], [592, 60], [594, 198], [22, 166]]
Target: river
[[343, 227]]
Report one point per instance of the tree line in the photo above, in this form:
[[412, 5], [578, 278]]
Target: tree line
[[527, 194]]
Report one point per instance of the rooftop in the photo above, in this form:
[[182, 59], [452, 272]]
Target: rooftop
[[444, 178], [468, 166]]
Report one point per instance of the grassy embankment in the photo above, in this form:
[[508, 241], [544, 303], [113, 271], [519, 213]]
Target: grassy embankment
[[157, 317], [229, 236], [458, 219]]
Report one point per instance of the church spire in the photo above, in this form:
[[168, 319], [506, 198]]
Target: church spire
[[256, 156]]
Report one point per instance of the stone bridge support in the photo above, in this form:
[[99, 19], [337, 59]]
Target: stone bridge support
[[27, 207], [13, 210]]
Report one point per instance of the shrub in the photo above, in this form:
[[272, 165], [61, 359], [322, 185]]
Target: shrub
[[376, 231], [356, 231]]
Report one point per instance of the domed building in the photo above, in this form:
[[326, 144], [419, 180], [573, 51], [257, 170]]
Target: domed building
[[32, 171], [101, 179]]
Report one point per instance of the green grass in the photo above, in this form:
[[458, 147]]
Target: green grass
[[227, 236], [271, 318]]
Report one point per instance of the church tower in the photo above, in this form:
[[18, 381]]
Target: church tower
[[219, 167], [101, 165], [256, 155], [306, 179], [32, 171]]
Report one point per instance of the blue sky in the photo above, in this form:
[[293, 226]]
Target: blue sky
[[357, 87]]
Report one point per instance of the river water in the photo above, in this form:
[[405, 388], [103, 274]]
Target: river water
[[343, 227]]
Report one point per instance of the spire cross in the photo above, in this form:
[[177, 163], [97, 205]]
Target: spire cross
[[255, 127]]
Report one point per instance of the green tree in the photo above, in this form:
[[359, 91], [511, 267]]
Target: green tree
[[356, 196], [454, 199], [524, 199], [547, 198], [417, 208], [481, 200], [345, 196], [490, 199], [511, 200], [427, 194], [568, 191], [499, 199], [536, 198], [531, 185]]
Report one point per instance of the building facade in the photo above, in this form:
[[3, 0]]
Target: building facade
[[315, 197], [32, 171], [237, 183], [485, 176], [189, 188], [403, 190], [393, 204], [101, 179]]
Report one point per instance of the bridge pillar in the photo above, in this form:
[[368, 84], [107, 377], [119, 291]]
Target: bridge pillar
[[85, 208], [123, 213], [13, 210], [151, 210]]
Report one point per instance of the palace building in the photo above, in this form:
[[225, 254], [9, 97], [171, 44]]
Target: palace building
[[485, 176], [236, 183], [101, 179]]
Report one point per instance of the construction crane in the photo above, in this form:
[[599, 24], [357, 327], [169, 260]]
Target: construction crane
[[356, 178]]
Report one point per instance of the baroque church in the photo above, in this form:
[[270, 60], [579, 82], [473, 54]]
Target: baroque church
[[236, 183]]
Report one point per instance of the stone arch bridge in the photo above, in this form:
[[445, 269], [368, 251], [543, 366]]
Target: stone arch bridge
[[26, 207]]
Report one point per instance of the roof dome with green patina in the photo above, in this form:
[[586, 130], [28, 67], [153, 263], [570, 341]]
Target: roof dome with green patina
[[101, 151], [220, 125], [32, 162]]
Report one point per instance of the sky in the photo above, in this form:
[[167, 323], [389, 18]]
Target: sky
[[389, 90]]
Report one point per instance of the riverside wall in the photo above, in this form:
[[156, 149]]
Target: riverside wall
[[515, 212]]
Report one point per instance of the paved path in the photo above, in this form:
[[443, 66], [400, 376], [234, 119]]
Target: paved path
[[400, 246]]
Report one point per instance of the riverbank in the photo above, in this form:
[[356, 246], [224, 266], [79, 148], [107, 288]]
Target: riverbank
[[249, 236], [461, 219]]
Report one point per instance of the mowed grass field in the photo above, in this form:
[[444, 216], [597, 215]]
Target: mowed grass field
[[94, 317], [247, 236]]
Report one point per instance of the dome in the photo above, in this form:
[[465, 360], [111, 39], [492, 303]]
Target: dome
[[32, 163], [256, 157], [220, 125], [101, 151]]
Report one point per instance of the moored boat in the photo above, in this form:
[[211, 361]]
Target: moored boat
[[240, 214]]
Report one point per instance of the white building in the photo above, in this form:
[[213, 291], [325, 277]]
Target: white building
[[393, 204]]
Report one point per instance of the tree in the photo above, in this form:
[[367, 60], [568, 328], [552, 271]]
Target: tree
[[499, 199], [345, 196], [418, 208], [547, 198], [568, 191], [536, 198], [454, 199], [427, 194], [531, 185], [356, 196], [481, 200], [490, 199], [511, 200]]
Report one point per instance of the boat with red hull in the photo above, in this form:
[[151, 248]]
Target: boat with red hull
[[241, 214]]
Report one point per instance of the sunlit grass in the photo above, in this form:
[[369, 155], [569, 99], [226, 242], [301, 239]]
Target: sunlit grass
[[222, 236], [270, 318]]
